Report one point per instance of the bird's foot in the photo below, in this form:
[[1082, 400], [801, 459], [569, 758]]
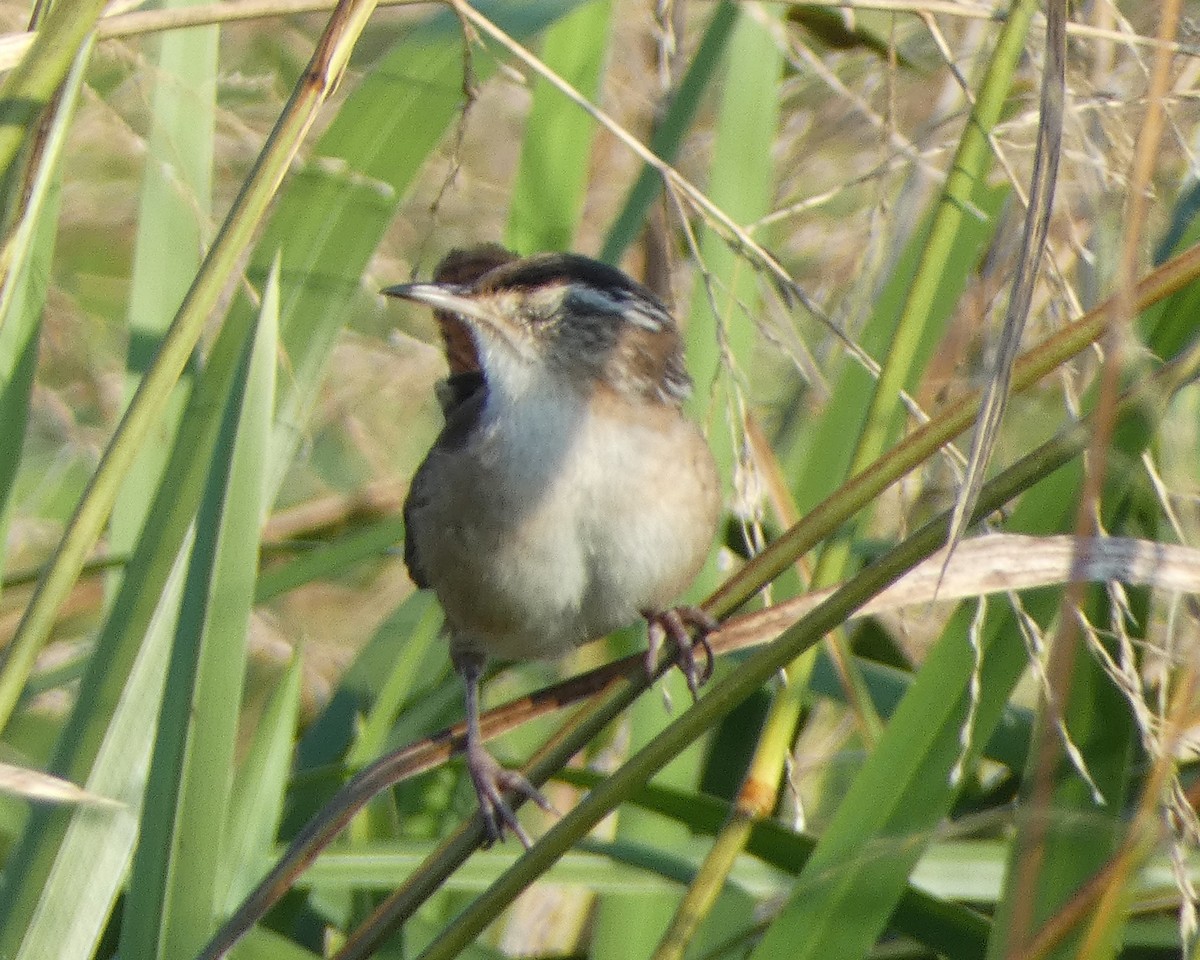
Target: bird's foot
[[674, 623], [491, 782]]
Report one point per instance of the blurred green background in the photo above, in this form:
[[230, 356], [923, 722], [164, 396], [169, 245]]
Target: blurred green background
[[204, 614]]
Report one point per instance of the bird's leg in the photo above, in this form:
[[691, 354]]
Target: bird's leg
[[491, 780], [674, 623]]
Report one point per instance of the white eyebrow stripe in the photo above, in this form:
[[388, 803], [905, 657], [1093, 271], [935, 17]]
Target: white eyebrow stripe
[[597, 301], [638, 311], [647, 316]]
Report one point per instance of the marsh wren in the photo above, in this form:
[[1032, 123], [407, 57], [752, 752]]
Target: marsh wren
[[568, 494]]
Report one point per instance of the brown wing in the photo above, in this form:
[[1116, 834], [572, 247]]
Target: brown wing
[[459, 423], [462, 395], [412, 503]]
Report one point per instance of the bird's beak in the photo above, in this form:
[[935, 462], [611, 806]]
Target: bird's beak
[[444, 297], [452, 300]]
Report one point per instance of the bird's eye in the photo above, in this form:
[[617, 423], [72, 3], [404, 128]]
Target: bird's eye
[[540, 307]]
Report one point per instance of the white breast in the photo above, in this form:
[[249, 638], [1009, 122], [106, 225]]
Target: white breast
[[556, 527]]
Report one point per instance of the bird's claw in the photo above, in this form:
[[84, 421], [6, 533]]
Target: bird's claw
[[674, 623], [491, 782]]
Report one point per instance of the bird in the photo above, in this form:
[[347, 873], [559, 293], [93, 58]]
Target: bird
[[568, 494]]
